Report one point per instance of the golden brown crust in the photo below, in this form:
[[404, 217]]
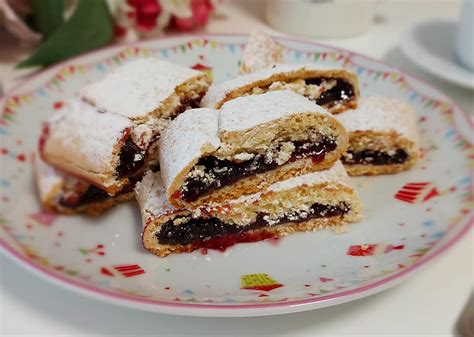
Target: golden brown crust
[[381, 141], [92, 209], [301, 73], [263, 135], [294, 127], [373, 170], [289, 199], [58, 155], [193, 89], [277, 231], [64, 153]]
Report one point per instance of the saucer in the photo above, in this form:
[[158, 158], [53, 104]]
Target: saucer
[[431, 45]]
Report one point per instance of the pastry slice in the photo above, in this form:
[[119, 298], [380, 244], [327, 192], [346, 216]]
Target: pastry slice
[[63, 193], [304, 203], [260, 53], [332, 88], [111, 135], [382, 137], [147, 90], [104, 149], [252, 142]]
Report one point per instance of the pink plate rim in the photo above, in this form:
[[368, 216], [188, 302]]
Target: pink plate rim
[[107, 295], [128, 300]]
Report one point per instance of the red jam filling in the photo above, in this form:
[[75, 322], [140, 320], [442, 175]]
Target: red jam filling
[[342, 92], [226, 172], [213, 233]]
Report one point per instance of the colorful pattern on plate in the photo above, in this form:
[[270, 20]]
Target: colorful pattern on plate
[[408, 217]]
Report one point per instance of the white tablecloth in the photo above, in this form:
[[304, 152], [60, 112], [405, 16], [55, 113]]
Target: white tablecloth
[[426, 304]]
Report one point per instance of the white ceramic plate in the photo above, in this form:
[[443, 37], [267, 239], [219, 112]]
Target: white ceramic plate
[[431, 45], [409, 218]]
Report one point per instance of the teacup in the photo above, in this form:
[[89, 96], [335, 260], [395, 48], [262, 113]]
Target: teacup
[[465, 38]]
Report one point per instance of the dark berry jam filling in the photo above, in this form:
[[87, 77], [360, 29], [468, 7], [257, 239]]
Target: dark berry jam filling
[[132, 159], [91, 195], [343, 91], [375, 157], [222, 172], [215, 234], [188, 103]]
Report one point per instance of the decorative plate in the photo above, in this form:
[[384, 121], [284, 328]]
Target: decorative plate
[[409, 218]]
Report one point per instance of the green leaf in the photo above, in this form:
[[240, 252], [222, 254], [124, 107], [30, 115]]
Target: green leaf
[[47, 15], [89, 27]]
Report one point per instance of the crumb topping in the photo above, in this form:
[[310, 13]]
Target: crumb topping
[[299, 86]]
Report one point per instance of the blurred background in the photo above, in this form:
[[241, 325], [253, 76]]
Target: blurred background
[[428, 38]]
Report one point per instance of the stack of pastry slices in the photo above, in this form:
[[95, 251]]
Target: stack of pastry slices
[[260, 156]]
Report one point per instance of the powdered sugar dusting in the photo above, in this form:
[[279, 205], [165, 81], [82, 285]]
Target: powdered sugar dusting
[[91, 135], [261, 53], [151, 197], [185, 140], [218, 92], [376, 113], [249, 111], [336, 174], [138, 87], [47, 177]]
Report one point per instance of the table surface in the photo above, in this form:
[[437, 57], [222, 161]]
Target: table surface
[[426, 304]]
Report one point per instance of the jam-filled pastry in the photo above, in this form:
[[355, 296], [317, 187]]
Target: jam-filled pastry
[[105, 149], [110, 136], [147, 90], [304, 203], [260, 53], [63, 193], [249, 144], [334, 89], [382, 137]]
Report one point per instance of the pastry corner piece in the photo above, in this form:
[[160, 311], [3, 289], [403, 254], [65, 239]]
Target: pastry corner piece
[[306, 203], [260, 53], [65, 194], [252, 142], [95, 146], [383, 137], [146, 89], [335, 89]]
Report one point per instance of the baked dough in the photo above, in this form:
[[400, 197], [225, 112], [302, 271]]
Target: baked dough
[[335, 89], [86, 143], [383, 137], [305, 203], [65, 194], [110, 134], [147, 89], [208, 156]]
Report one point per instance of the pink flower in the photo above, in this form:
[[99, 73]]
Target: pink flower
[[145, 13], [13, 18], [200, 14], [119, 31]]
